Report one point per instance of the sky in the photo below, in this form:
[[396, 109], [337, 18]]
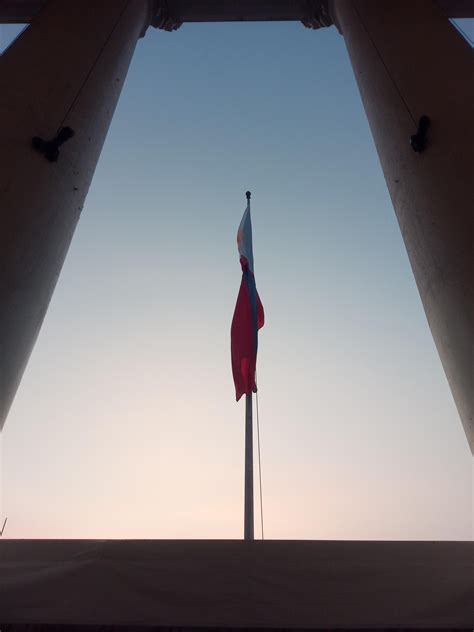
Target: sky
[[125, 424]]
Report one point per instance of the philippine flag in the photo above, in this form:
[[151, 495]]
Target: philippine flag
[[248, 315]]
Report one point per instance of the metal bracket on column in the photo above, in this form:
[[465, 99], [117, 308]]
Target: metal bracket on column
[[50, 148], [163, 18], [316, 15], [418, 141]]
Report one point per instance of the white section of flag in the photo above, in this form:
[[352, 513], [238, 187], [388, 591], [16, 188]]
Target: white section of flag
[[244, 237]]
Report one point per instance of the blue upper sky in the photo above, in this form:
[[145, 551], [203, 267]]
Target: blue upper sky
[[125, 424]]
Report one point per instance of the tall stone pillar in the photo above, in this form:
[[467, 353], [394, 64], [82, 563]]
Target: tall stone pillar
[[409, 61], [65, 71]]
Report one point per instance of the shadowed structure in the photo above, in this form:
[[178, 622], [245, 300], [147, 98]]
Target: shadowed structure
[[230, 584]]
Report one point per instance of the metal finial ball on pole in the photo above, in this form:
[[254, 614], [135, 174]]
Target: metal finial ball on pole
[[247, 195]]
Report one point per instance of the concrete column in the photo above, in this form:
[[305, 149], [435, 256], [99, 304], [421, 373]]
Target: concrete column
[[410, 61], [66, 70]]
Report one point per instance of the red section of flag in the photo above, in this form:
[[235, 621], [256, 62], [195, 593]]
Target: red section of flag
[[244, 338]]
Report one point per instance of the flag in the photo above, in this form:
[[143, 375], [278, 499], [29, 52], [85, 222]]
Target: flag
[[248, 315]]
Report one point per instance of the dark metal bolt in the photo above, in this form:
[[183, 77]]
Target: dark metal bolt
[[418, 141], [50, 148]]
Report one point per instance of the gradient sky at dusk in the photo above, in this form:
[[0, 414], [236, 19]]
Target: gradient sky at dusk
[[125, 424]]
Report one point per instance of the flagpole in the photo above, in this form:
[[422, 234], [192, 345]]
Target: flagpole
[[248, 501], [248, 516]]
